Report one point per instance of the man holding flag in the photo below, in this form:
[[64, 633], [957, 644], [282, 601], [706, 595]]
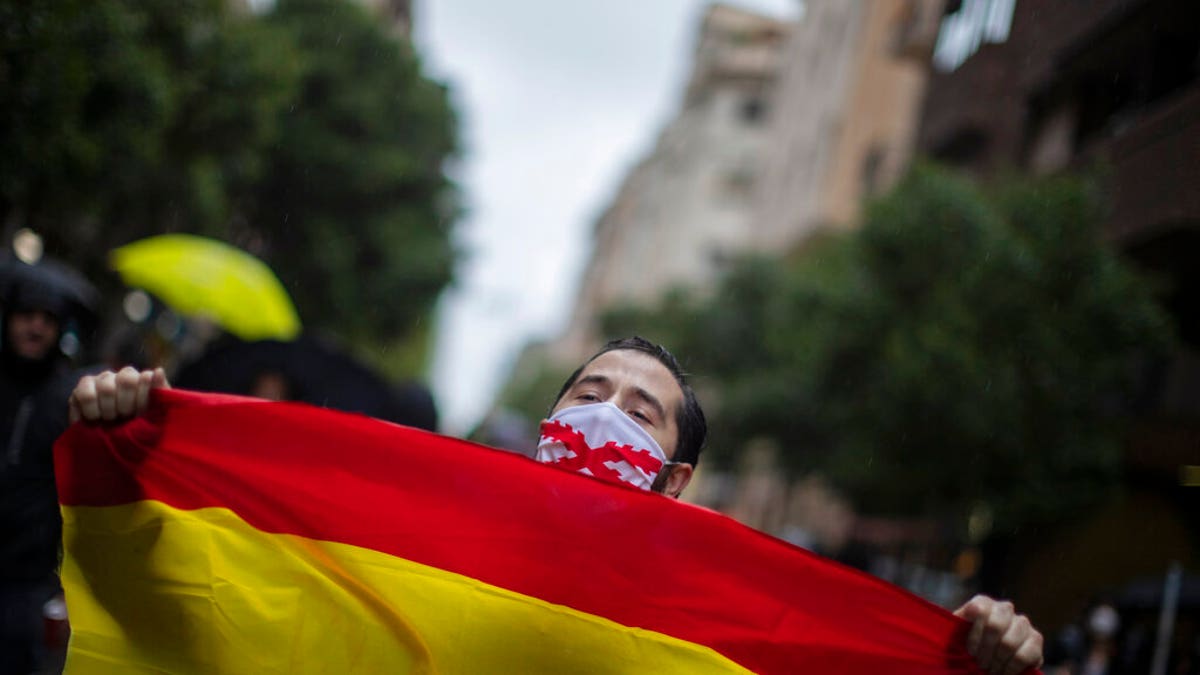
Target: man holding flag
[[626, 416]]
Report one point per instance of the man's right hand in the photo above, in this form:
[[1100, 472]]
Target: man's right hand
[[114, 396]]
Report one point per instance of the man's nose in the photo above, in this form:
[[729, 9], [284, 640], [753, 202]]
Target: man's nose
[[620, 399]]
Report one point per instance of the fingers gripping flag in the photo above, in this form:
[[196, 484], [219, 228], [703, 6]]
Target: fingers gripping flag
[[225, 535]]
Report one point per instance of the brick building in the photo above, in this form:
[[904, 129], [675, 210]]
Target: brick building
[[1111, 86]]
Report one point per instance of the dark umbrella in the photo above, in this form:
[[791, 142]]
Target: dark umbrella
[[70, 292], [310, 370], [55, 287]]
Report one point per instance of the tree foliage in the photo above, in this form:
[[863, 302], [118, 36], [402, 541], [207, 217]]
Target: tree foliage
[[125, 119], [308, 135], [965, 348], [355, 205]]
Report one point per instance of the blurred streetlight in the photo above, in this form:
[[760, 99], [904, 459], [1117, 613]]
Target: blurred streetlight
[[27, 246], [137, 306]]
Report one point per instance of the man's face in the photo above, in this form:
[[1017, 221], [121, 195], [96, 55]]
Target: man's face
[[32, 333], [637, 384]]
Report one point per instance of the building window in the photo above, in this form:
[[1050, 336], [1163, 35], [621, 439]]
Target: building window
[[971, 24], [753, 110], [872, 171]]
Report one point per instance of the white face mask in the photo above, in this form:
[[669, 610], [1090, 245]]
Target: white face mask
[[599, 439]]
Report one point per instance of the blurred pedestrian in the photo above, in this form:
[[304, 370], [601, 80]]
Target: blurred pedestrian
[[1102, 625], [35, 381]]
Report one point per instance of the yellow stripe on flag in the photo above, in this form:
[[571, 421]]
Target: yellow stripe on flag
[[202, 591]]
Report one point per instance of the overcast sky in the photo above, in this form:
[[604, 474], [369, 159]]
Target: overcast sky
[[557, 98]]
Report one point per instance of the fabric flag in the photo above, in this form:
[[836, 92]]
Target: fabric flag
[[219, 534]]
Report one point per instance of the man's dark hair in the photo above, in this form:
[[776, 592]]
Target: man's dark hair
[[689, 417]]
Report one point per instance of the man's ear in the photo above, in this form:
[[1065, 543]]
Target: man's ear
[[680, 476]]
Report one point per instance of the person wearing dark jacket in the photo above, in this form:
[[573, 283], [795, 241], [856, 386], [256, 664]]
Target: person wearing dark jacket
[[35, 382]]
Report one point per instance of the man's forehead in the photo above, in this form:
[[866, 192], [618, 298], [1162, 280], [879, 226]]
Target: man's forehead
[[634, 368]]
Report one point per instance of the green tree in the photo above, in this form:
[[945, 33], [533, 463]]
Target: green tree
[[308, 136], [965, 348], [124, 119], [355, 206]]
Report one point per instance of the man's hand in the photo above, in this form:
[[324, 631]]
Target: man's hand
[[1002, 641], [114, 396]]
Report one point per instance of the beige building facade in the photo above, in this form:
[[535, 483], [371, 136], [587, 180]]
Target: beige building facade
[[808, 108], [784, 129], [845, 113], [686, 207]]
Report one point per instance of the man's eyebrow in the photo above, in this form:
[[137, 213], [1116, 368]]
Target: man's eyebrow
[[603, 380], [592, 379], [652, 401]]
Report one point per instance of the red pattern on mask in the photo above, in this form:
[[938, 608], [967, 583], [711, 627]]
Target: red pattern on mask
[[594, 458]]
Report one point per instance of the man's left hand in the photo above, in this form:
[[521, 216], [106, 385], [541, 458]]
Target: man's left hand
[[1002, 641]]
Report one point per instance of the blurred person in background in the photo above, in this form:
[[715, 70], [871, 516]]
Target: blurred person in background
[[35, 381], [627, 415], [1102, 626]]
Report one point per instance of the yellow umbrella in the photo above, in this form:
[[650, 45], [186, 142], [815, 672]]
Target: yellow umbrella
[[197, 276]]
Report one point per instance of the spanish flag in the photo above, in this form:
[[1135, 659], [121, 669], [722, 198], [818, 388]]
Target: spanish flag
[[218, 534]]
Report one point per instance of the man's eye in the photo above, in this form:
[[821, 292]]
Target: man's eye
[[589, 397], [640, 415]]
